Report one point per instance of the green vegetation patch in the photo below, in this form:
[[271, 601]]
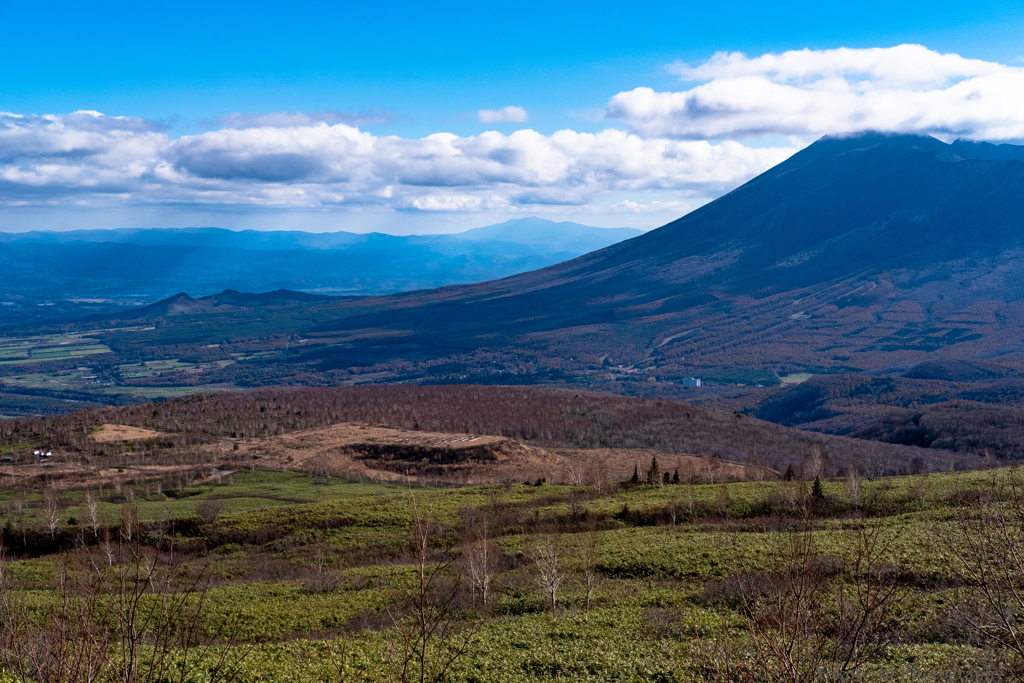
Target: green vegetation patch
[[307, 575], [22, 350]]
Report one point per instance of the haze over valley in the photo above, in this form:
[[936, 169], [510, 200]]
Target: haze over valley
[[79, 272]]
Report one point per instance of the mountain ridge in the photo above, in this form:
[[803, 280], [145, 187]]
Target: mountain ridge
[[529, 230]]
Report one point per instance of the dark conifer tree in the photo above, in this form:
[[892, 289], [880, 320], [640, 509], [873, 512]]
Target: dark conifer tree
[[654, 472], [636, 476], [675, 476]]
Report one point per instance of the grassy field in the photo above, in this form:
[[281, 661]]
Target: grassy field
[[299, 567], [23, 350], [116, 381], [78, 379], [150, 393]]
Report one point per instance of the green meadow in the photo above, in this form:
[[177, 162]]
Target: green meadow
[[305, 578]]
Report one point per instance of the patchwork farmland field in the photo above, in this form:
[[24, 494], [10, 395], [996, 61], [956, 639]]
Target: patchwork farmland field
[[36, 349]]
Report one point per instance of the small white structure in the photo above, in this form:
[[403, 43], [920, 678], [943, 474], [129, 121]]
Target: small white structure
[[692, 382]]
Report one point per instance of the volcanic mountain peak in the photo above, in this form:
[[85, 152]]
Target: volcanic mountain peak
[[859, 253], [178, 304], [851, 227]]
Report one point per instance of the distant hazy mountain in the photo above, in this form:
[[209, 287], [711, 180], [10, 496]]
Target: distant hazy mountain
[[155, 263], [558, 237]]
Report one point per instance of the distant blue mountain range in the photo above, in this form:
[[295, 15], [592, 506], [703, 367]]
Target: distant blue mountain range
[[154, 263]]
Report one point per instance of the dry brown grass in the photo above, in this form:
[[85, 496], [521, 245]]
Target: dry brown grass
[[389, 454], [308, 443], [109, 433], [395, 454]]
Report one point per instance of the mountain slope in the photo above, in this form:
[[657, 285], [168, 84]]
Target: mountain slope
[[885, 248]]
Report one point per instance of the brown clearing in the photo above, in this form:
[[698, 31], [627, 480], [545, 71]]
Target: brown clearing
[[362, 438], [108, 433], [353, 449]]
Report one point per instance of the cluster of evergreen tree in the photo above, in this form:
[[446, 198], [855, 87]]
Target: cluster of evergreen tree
[[654, 476]]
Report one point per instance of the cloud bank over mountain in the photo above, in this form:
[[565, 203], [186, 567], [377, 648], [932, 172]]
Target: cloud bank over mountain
[[680, 149], [809, 93]]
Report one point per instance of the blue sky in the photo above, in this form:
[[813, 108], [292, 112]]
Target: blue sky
[[242, 114]]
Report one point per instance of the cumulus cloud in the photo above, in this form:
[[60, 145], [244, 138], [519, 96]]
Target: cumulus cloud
[[506, 115], [446, 202], [907, 88], [82, 152], [84, 157]]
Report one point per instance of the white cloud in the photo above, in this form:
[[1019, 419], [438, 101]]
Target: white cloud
[[903, 66], [86, 157], [446, 202], [506, 115], [907, 88]]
